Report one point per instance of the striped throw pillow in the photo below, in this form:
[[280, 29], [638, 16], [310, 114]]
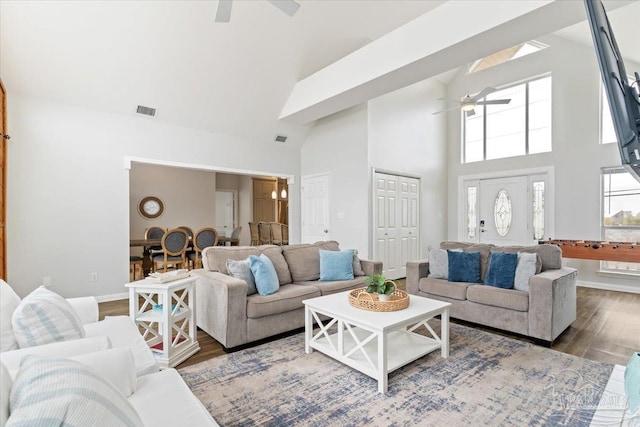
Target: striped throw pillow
[[66, 392], [43, 317]]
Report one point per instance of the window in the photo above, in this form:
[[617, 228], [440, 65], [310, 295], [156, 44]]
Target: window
[[514, 52], [472, 220], [621, 214], [521, 127], [607, 132], [538, 210]]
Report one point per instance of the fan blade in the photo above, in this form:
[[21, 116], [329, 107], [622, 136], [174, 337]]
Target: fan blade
[[484, 92], [289, 7], [223, 14], [494, 102], [447, 109], [471, 113]]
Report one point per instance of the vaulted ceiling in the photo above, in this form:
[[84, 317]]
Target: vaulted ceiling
[[230, 78]]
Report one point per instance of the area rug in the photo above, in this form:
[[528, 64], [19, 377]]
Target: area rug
[[487, 380]]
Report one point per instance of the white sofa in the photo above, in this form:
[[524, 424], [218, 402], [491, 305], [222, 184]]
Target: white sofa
[[160, 398]]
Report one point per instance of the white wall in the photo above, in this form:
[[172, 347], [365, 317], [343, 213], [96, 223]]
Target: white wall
[[68, 188], [188, 197], [406, 138], [577, 155], [338, 145]]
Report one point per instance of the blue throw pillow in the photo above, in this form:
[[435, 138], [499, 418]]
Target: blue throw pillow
[[336, 265], [464, 266], [502, 270], [264, 274]]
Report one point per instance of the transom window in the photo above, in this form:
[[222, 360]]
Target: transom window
[[521, 127], [620, 214]]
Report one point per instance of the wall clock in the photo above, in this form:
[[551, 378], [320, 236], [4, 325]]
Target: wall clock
[[151, 207]]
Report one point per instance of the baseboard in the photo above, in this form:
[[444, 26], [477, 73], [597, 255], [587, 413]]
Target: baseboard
[[112, 297], [608, 286]]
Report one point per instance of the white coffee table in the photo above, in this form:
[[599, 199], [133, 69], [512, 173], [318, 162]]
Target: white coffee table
[[375, 343]]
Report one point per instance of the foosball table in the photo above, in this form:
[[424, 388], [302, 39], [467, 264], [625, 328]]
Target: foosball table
[[597, 250]]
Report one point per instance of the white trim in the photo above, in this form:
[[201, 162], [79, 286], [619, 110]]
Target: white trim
[[619, 274], [608, 286], [392, 172], [131, 159], [112, 297]]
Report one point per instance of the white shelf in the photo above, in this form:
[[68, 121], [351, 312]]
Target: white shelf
[[157, 316]]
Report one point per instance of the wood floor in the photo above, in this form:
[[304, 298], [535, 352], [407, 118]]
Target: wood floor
[[607, 328]]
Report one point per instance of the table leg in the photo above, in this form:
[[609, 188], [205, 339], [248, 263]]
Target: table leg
[[382, 363], [444, 333], [146, 260], [308, 329]]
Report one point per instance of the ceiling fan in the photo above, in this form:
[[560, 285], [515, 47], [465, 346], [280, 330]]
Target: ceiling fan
[[223, 13], [468, 103]]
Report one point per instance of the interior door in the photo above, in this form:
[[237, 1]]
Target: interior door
[[386, 237], [409, 221], [504, 211], [315, 208]]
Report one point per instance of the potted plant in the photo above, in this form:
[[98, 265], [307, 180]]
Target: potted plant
[[380, 285]]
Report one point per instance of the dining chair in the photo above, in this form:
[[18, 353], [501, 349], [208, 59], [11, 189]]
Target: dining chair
[[255, 234], [285, 234], [235, 234], [205, 237], [154, 233], [276, 233], [264, 231], [189, 231], [135, 268], [174, 247]]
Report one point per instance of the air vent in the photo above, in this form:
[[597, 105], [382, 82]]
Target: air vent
[[280, 138], [146, 111]]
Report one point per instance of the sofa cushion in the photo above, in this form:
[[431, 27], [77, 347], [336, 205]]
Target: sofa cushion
[[288, 298], [5, 390], [453, 290], [504, 298], [66, 392], [524, 270], [44, 317], [549, 256], [116, 365], [264, 274], [464, 266], [336, 265], [242, 270], [502, 270], [9, 301], [484, 249], [274, 253], [214, 258], [333, 287], [304, 259]]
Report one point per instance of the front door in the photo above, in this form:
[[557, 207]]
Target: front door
[[315, 208], [504, 211]]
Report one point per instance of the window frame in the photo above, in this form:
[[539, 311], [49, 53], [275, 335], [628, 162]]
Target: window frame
[[484, 121]]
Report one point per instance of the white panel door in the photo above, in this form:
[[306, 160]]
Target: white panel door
[[396, 222], [315, 208], [409, 221], [504, 211]]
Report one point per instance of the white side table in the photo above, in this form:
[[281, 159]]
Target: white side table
[[167, 313]]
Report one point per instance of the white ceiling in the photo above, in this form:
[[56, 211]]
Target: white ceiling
[[226, 78]]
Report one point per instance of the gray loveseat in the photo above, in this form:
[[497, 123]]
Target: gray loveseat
[[233, 318], [542, 313]]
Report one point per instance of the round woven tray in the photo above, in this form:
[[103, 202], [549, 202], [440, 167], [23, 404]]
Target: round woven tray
[[359, 298]]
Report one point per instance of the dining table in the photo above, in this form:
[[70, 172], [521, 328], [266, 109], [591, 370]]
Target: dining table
[[146, 251], [223, 240]]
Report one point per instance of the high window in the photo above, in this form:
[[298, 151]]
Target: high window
[[620, 214], [521, 127]]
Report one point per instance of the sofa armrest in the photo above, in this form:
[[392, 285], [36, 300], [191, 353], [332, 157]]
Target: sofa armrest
[[86, 308], [221, 307], [63, 349], [416, 270], [371, 267], [552, 302]]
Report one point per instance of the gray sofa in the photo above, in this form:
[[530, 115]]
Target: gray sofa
[[542, 313], [233, 318]]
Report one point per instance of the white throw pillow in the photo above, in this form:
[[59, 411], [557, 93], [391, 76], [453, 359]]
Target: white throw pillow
[[116, 365], [66, 392], [9, 301], [5, 391], [438, 264], [44, 317], [357, 265], [525, 268]]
